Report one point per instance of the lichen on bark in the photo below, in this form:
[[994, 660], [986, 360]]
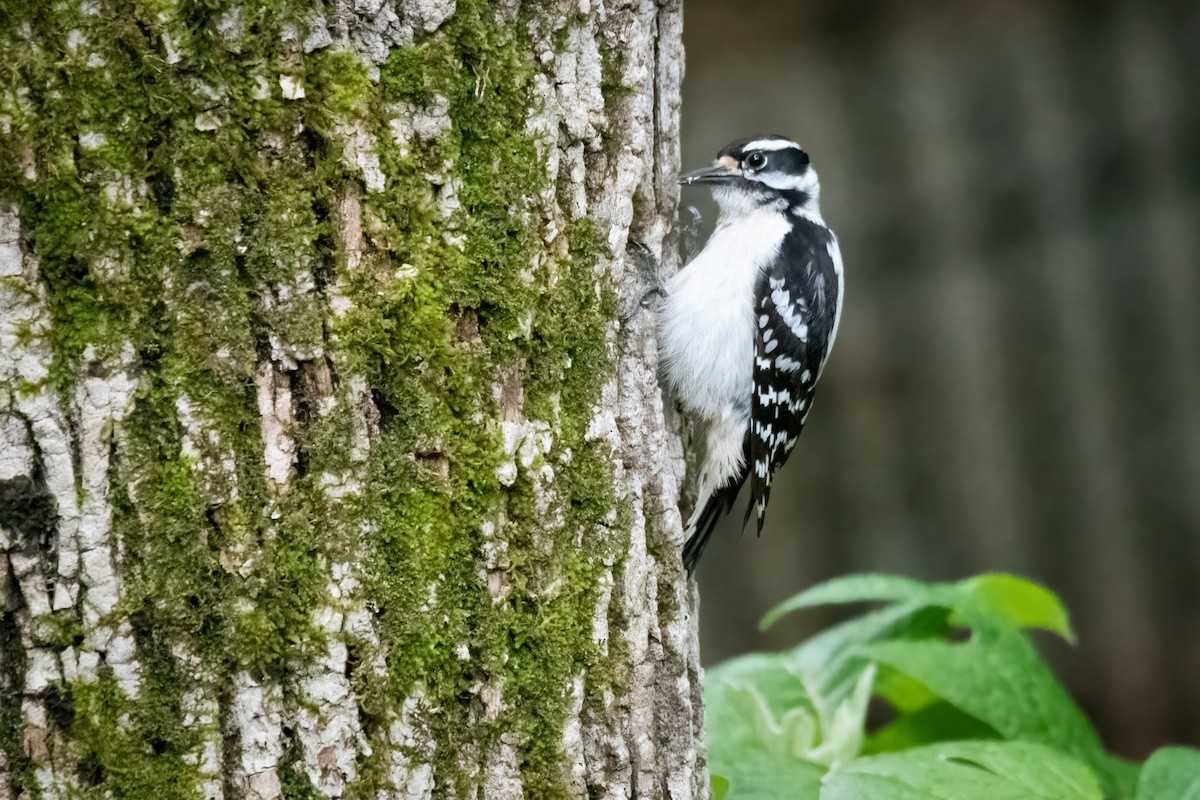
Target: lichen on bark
[[329, 467]]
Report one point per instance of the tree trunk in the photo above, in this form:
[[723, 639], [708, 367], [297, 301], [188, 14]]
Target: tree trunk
[[329, 465]]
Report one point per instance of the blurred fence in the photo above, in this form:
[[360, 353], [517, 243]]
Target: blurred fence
[[1016, 385]]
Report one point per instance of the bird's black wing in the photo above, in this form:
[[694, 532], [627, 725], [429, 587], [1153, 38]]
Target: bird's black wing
[[795, 314]]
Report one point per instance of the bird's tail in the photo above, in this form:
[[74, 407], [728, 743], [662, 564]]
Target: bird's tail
[[704, 520]]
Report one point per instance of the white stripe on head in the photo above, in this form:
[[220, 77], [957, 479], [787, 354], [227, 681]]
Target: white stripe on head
[[805, 182], [770, 144]]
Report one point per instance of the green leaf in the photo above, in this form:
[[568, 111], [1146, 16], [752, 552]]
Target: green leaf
[[780, 685], [1171, 773], [804, 707], [861, 588], [1043, 771], [938, 722], [998, 596], [719, 786], [760, 776], [1118, 775], [832, 660], [758, 703], [954, 770], [998, 678], [904, 693], [749, 728], [1021, 602]]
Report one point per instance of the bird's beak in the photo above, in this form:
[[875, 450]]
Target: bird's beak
[[723, 170]]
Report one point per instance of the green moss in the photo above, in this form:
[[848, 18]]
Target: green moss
[[612, 74], [430, 530], [146, 758], [21, 768], [293, 779], [58, 630], [340, 84]]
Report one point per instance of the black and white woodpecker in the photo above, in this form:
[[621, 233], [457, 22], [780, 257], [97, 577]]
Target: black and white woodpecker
[[747, 325]]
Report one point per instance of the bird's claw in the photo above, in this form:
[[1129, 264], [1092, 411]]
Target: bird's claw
[[649, 297], [644, 273]]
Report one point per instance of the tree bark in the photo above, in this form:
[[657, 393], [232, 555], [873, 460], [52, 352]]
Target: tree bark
[[332, 458]]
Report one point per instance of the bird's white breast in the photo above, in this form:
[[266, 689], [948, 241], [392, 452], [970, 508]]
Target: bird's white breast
[[706, 326]]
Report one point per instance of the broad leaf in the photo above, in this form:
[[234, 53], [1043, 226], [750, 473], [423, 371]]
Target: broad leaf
[[775, 719], [862, 588], [998, 678], [759, 776], [772, 676], [999, 596], [1171, 773], [904, 693], [938, 722], [1021, 602], [832, 660], [758, 703], [747, 723], [955, 770]]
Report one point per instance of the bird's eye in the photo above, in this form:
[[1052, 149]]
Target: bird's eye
[[756, 161]]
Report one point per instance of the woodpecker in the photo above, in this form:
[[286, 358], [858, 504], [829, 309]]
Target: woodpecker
[[746, 327]]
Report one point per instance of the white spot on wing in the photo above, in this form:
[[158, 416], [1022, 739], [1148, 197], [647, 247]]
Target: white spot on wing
[[791, 313], [786, 364]]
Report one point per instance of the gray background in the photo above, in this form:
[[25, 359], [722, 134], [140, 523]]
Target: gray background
[[1016, 383]]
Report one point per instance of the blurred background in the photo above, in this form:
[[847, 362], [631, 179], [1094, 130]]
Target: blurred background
[[1016, 383]]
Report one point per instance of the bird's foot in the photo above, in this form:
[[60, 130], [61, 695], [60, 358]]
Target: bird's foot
[[645, 283]]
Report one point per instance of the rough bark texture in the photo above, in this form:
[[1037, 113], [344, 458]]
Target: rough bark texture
[[332, 458]]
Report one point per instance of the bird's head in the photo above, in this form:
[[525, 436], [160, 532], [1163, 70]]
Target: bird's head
[[761, 171]]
